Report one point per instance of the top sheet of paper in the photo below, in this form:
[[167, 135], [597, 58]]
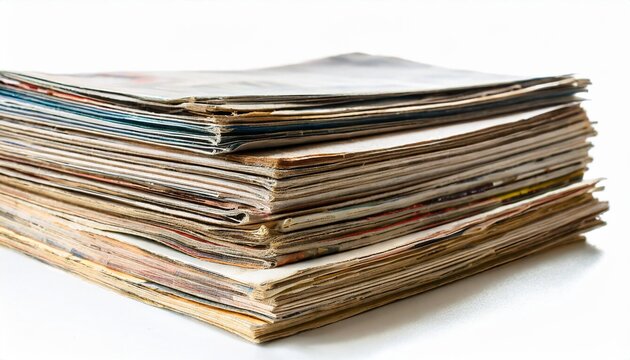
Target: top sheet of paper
[[339, 75]]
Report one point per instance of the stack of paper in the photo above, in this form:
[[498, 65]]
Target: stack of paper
[[272, 201]]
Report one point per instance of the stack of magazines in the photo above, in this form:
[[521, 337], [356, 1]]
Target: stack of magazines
[[272, 201]]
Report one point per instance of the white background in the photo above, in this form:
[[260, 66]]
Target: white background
[[572, 302]]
